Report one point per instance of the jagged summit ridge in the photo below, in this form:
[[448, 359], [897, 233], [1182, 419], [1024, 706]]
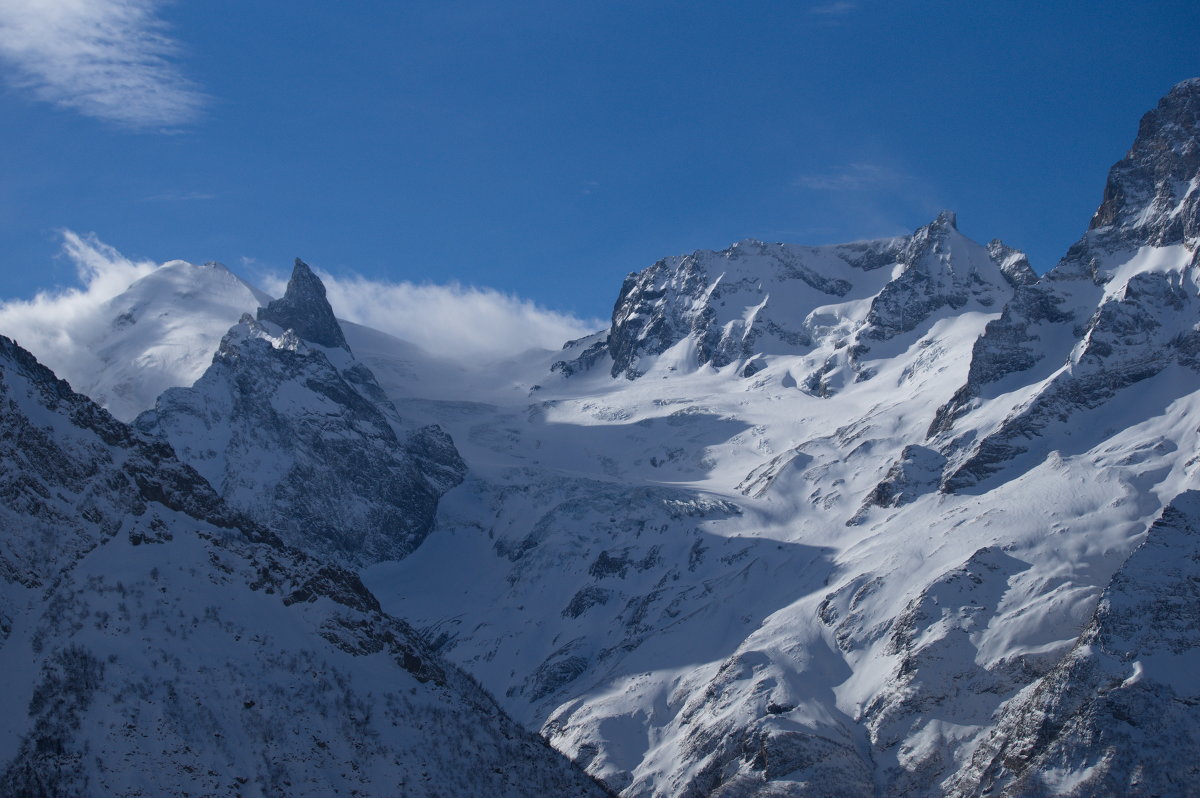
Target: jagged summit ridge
[[299, 435], [755, 300], [1118, 309], [305, 309], [1153, 189], [937, 613], [1013, 262], [938, 268], [946, 218], [659, 572]]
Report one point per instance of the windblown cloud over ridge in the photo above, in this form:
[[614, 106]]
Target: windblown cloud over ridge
[[61, 325], [453, 321], [107, 59], [71, 329]]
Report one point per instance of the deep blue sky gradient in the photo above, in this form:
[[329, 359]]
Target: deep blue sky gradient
[[548, 148]]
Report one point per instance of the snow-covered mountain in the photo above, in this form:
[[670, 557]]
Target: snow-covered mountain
[[155, 642], [755, 300], [157, 334], [1120, 308], [296, 433], [838, 520], [893, 517]]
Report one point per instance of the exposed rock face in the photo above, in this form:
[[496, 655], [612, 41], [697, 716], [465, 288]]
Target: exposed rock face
[[995, 482], [918, 471], [154, 641], [718, 308], [652, 563], [936, 271], [304, 310], [1117, 310], [1013, 263], [1151, 194], [111, 470], [1117, 715], [301, 438]]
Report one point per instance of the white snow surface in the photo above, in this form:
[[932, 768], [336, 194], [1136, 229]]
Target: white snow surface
[[159, 333], [690, 581], [890, 518], [150, 646], [681, 581]]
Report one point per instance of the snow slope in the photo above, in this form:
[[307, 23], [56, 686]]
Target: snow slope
[[817, 521], [886, 518], [156, 643], [296, 433], [157, 334]]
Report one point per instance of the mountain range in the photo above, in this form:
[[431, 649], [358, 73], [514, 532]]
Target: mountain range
[[892, 518]]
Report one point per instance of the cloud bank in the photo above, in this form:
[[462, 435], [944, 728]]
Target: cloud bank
[[461, 323], [107, 59], [61, 325]]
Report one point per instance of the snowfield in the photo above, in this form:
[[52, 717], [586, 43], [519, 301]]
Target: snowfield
[[893, 517]]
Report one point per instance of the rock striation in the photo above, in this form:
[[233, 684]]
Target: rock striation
[[304, 310], [1123, 697], [891, 518]]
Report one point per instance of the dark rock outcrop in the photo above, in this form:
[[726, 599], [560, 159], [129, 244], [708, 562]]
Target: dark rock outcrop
[[305, 310], [1118, 309], [756, 299], [1117, 715], [304, 440]]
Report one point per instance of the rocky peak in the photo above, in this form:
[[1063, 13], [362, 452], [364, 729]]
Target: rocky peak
[[946, 219], [942, 269], [304, 309], [931, 236], [308, 444], [1154, 188], [1014, 264], [755, 299], [225, 636], [1119, 307]]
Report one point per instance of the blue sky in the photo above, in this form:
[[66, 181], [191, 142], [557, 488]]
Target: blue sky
[[545, 149]]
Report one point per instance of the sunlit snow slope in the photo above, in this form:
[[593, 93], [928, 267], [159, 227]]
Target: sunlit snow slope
[[892, 517], [815, 521], [159, 333]]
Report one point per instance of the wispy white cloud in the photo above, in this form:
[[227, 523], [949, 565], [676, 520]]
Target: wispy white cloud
[[833, 9], [456, 322], [60, 326], [851, 177], [67, 328], [108, 59]]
